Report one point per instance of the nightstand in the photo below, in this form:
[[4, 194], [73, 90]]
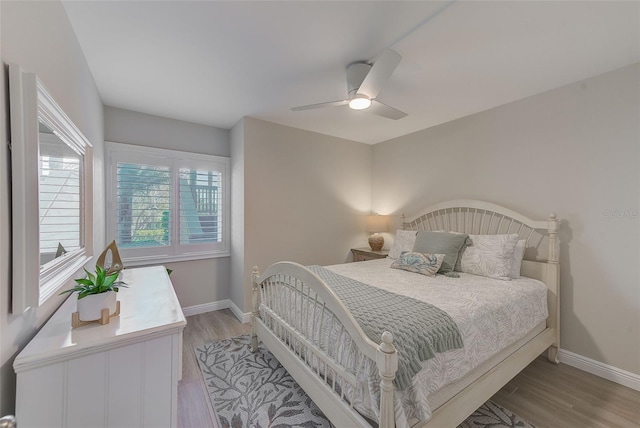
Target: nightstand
[[366, 253]]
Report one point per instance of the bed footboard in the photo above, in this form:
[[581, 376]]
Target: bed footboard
[[314, 336]]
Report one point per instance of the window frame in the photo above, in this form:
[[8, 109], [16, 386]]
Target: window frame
[[174, 159], [30, 104]]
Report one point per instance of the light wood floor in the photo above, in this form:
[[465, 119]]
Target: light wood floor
[[547, 395]]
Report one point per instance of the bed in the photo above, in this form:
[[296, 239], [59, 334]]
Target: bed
[[353, 379]]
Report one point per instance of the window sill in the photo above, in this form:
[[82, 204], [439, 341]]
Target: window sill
[[154, 260]]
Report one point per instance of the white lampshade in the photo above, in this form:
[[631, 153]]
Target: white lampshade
[[376, 223]]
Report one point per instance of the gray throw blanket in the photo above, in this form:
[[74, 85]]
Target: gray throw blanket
[[419, 329]]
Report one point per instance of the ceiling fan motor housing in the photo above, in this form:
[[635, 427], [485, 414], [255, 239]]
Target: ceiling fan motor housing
[[356, 73]]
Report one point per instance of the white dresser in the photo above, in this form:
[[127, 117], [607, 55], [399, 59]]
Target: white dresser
[[123, 374]]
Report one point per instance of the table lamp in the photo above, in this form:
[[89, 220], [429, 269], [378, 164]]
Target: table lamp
[[375, 225]]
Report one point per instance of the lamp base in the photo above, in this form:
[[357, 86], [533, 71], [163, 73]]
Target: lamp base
[[376, 241]]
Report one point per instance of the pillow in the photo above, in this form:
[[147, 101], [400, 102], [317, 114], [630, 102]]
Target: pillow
[[457, 267], [445, 243], [403, 241], [490, 256], [422, 263], [516, 260]]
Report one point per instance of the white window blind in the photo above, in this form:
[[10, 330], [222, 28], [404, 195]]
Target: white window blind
[[143, 207], [200, 204], [166, 205]]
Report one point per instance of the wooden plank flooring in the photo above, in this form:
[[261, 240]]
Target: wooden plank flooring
[[552, 395], [547, 395], [194, 406]]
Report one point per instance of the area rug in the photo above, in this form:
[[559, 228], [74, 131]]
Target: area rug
[[253, 390]]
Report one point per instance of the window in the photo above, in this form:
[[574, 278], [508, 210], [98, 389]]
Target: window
[[51, 207], [167, 205]]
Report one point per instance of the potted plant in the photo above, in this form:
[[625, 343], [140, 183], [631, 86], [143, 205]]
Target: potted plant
[[96, 292]]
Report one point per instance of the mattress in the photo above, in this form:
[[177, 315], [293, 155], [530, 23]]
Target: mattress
[[490, 314]]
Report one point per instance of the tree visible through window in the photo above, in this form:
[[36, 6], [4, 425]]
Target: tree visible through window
[[144, 196]]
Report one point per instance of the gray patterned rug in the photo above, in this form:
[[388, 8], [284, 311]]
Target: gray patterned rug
[[254, 390]]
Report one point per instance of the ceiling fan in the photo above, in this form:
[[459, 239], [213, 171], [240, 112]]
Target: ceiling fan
[[364, 83]]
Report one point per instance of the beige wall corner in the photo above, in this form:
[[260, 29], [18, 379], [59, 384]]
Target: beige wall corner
[[305, 197]]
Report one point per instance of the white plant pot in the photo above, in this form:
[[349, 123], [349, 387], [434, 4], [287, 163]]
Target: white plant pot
[[90, 307]]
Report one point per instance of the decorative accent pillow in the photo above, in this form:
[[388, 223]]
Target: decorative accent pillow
[[422, 263], [518, 255], [445, 243], [457, 267], [404, 241], [490, 256]]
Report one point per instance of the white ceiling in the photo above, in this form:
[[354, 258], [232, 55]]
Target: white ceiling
[[215, 62]]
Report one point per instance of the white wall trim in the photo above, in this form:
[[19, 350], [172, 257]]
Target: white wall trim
[[216, 306], [603, 370], [243, 317], [205, 307]]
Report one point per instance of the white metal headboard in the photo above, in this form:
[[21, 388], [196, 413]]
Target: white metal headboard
[[485, 218]]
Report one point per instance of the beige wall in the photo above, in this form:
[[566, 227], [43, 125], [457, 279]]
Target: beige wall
[[39, 37], [132, 127], [238, 274], [573, 150], [305, 197], [196, 282]]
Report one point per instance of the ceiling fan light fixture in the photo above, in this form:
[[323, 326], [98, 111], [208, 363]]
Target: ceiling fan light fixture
[[360, 102], [364, 83]]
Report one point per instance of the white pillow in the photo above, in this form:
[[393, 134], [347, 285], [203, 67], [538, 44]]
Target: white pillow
[[404, 241], [490, 256], [516, 260]]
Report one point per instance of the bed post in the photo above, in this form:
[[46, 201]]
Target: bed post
[[403, 219], [255, 300], [387, 362], [553, 277]]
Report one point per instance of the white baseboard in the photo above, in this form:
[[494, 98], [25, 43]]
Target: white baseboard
[[602, 370], [243, 317], [216, 306], [206, 307]]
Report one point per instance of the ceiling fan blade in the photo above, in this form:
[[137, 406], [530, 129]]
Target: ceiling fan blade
[[379, 74], [321, 105], [386, 111]]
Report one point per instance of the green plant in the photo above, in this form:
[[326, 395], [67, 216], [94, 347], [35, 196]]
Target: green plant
[[101, 282]]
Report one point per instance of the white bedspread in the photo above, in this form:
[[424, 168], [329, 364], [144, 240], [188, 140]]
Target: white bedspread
[[491, 314]]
